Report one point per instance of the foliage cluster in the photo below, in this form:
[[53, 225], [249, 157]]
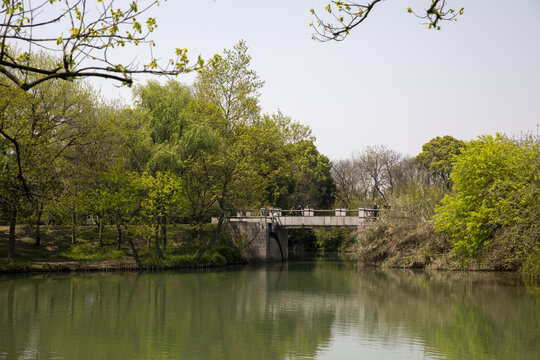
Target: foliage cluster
[[495, 199], [322, 240]]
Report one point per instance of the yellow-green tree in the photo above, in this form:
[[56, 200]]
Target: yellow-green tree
[[496, 191], [162, 192]]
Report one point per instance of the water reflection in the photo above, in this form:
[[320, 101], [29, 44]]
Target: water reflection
[[311, 309]]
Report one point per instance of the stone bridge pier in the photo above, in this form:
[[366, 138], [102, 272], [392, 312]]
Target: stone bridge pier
[[261, 240]]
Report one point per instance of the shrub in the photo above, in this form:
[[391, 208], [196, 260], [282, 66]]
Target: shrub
[[530, 270]]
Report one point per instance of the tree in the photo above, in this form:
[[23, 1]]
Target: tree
[[276, 140], [351, 187], [381, 165], [173, 129], [314, 186], [227, 101], [120, 198], [162, 192], [414, 192], [93, 161], [84, 35], [496, 187], [252, 162], [346, 15], [290, 130], [437, 157], [9, 195], [37, 128], [229, 84]]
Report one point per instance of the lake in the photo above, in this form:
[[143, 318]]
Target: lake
[[302, 309]]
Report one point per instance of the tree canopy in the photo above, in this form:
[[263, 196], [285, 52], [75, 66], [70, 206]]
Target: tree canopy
[[437, 157], [496, 188]]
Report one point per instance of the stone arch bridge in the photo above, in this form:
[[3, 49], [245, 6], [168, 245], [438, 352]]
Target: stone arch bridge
[[265, 231]]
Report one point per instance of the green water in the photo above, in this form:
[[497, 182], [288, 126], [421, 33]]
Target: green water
[[316, 309]]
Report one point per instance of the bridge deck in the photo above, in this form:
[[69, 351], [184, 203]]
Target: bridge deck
[[292, 222]]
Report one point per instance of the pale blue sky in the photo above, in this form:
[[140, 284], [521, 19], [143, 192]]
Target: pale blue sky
[[392, 82]]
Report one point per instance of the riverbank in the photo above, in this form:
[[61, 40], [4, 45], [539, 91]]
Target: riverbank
[[57, 253], [412, 243], [389, 243]]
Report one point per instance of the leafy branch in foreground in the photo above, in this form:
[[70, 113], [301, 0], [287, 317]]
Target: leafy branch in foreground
[[84, 35], [344, 16]]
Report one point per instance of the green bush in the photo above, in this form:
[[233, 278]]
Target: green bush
[[302, 239], [181, 261], [530, 270], [213, 258], [231, 254], [90, 251], [333, 239]]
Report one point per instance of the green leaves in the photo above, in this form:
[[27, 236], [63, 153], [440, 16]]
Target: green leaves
[[437, 157], [344, 16], [231, 86], [494, 179], [161, 193]]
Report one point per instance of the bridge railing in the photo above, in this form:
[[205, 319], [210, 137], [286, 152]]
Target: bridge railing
[[277, 212]]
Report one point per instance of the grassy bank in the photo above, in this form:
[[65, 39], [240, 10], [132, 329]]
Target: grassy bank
[[57, 252], [413, 243]]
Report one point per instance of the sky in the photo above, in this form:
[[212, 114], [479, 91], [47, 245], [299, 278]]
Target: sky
[[391, 82]]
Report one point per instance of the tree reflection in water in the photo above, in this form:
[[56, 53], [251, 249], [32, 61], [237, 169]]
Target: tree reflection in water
[[312, 309]]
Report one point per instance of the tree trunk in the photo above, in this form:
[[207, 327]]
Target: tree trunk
[[203, 250], [119, 229], [73, 227], [134, 251], [12, 223], [164, 231], [199, 233], [99, 223], [100, 234], [156, 242], [38, 226]]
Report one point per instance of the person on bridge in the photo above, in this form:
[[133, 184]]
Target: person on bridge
[[375, 209]]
